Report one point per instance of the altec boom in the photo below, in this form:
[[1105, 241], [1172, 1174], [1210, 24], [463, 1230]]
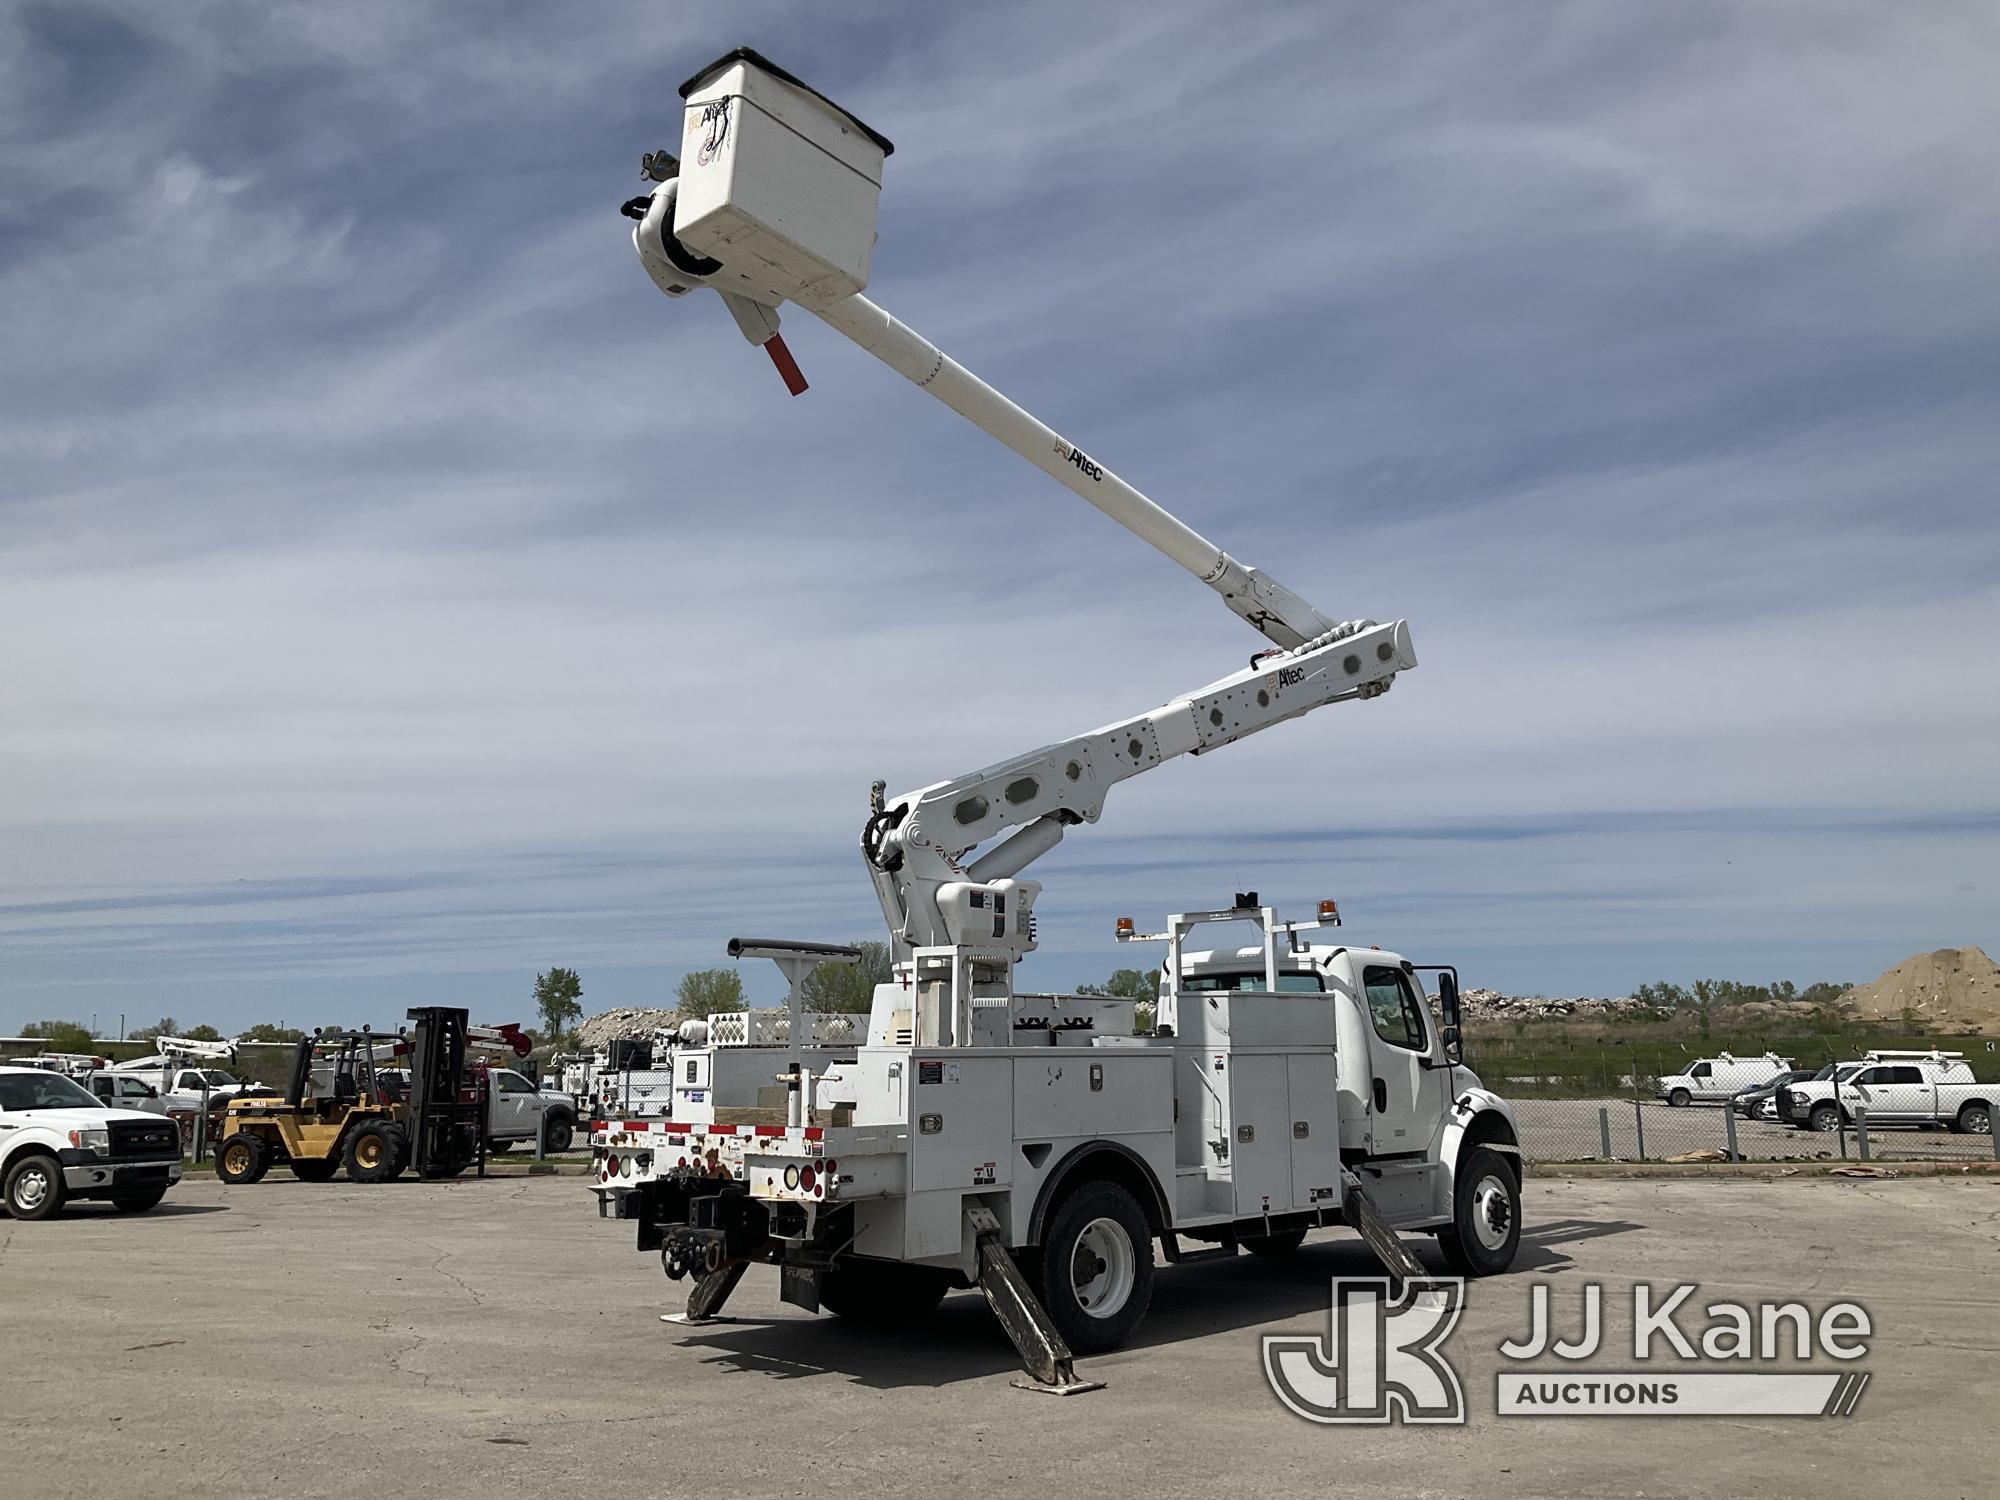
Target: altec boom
[[1031, 1144]]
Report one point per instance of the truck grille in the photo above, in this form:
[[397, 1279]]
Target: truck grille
[[1784, 1104], [145, 1138]]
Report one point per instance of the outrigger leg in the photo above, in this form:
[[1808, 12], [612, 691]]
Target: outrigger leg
[[1050, 1365]]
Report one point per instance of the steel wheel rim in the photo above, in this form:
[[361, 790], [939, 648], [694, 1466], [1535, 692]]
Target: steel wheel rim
[[1103, 1268], [1978, 1122], [237, 1159], [31, 1189], [368, 1151], [1825, 1120], [1492, 1212]]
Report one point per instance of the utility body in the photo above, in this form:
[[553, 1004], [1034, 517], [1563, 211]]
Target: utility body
[[1032, 1144]]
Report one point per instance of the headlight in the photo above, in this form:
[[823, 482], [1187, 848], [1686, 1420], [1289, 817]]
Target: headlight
[[98, 1140]]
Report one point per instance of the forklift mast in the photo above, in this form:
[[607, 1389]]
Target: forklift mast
[[447, 1131]]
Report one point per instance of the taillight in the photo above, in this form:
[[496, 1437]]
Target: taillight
[[807, 1177], [610, 1166]]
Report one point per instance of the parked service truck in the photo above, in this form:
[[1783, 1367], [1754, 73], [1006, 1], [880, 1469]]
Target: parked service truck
[[1894, 1088], [1031, 1144], [1709, 1079]]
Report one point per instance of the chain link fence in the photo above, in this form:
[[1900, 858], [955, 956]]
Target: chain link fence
[[1579, 1099]]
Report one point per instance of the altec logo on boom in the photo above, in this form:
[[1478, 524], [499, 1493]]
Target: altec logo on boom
[[1383, 1359]]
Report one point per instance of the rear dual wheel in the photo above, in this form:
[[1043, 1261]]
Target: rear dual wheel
[[1095, 1270]]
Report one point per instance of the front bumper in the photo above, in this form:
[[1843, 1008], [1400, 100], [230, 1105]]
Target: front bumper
[[85, 1173]]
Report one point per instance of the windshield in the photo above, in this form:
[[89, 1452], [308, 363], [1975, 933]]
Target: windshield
[[43, 1091], [215, 1078], [1197, 984]]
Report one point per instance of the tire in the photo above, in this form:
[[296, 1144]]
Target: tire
[[881, 1294], [375, 1151], [1485, 1228], [315, 1169], [243, 1158], [1284, 1242], [1679, 1099], [559, 1134], [34, 1187], [1975, 1119], [1824, 1118], [1096, 1267], [498, 1148], [139, 1201]]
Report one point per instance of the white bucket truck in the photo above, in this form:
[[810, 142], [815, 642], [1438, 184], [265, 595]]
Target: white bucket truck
[[1031, 1144]]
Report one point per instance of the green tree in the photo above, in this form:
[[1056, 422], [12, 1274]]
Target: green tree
[[1139, 985], [706, 991], [557, 998], [165, 1026], [59, 1036], [850, 987], [202, 1034], [270, 1031]]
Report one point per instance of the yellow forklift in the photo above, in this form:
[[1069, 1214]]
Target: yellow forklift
[[342, 1109]]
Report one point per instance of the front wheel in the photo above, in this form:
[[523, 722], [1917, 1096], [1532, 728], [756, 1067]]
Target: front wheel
[[1097, 1267], [1485, 1216], [1679, 1099], [243, 1158], [34, 1188], [558, 1134], [1825, 1118]]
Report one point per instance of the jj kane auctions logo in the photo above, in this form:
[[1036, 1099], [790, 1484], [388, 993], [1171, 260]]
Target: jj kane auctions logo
[[1383, 1358]]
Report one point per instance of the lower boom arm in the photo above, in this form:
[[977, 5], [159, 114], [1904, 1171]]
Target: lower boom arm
[[915, 842]]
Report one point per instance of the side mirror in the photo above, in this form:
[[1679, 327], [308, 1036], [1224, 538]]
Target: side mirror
[[1454, 1048]]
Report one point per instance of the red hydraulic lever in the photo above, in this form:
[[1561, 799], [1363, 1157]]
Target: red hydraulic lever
[[787, 366]]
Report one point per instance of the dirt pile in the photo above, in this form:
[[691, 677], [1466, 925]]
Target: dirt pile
[[1955, 989], [611, 1025]]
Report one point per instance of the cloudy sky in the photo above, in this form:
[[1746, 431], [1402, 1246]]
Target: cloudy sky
[[397, 595]]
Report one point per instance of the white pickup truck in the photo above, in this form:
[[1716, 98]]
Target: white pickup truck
[[57, 1143], [515, 1110], [1894, 1088]]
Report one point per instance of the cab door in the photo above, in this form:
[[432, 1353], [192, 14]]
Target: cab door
[[1399, 1051], [509, 1112]]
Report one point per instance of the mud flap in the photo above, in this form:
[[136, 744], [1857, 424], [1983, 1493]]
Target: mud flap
[[1374, 1230], [1044, 1353]]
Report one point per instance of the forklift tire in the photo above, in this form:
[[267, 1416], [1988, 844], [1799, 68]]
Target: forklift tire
[[375, 1152], [882, 1295], [243, 1158], [314, 1169], [1284, 1242], [1095, 1274], [1485, 1216]]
